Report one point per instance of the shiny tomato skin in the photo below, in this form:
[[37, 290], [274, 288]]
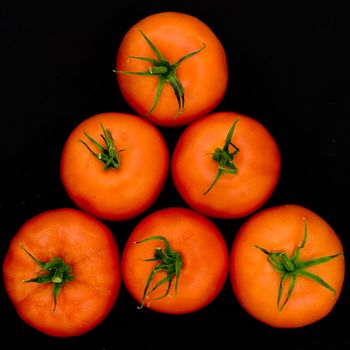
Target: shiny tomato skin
[[84, 243], [234, 195], [204, 76], [205, 260], [115, 194], [254, 281]]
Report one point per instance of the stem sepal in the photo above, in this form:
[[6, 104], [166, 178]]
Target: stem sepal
[[165, 71], [294, 267], [224, 157], [55, 271], [169, 261]]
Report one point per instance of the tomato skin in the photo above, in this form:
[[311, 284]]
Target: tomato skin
[[204, 76], [115, 194], [204, 253], [234, 195], [255, 283], [82, 242]]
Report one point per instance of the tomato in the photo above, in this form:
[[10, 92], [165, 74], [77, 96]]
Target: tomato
[[182, 251], [292, 245], [226, 165], [62, 272], [130, 174], [171, 68]]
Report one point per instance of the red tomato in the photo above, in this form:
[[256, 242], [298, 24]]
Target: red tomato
[[130, 174], [78, 266], [289, 244], [226, 165], [186, 253], [185, 64]]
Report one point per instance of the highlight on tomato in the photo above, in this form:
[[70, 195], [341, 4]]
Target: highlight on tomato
[[175, 261], [226, 165], [171, 68], [114, 165], [62, 272], [287, 266]]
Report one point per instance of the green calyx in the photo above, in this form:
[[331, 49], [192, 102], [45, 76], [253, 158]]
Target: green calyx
[[291, 268], [165, 71], [169, 261], [224, 157], [55, 271], [107, 155]]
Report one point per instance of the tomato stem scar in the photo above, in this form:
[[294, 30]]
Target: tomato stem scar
[[108, 156], [291, 268], [170, 262], [224, 158], [55, 271], [165, 71]]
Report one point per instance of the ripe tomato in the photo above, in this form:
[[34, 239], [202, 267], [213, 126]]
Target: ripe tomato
[[62, 272], [183, 68], [123, 175], [226, 165], [287, 249], [179, 263]]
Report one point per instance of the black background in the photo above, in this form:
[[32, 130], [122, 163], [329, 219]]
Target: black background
[[287, 68]]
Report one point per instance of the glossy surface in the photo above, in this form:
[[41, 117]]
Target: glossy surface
[[204, 76], [85, 244], [203, 250], [234, 195], [255, 282], [115, 194]]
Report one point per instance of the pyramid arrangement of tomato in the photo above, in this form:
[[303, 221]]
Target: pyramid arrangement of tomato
[[63, 270]]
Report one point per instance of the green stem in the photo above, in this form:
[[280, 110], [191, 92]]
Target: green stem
[[294, 267], [224, 157], [169, 261], [158, 70], [107, 155], [166, 72], [55, 271]]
